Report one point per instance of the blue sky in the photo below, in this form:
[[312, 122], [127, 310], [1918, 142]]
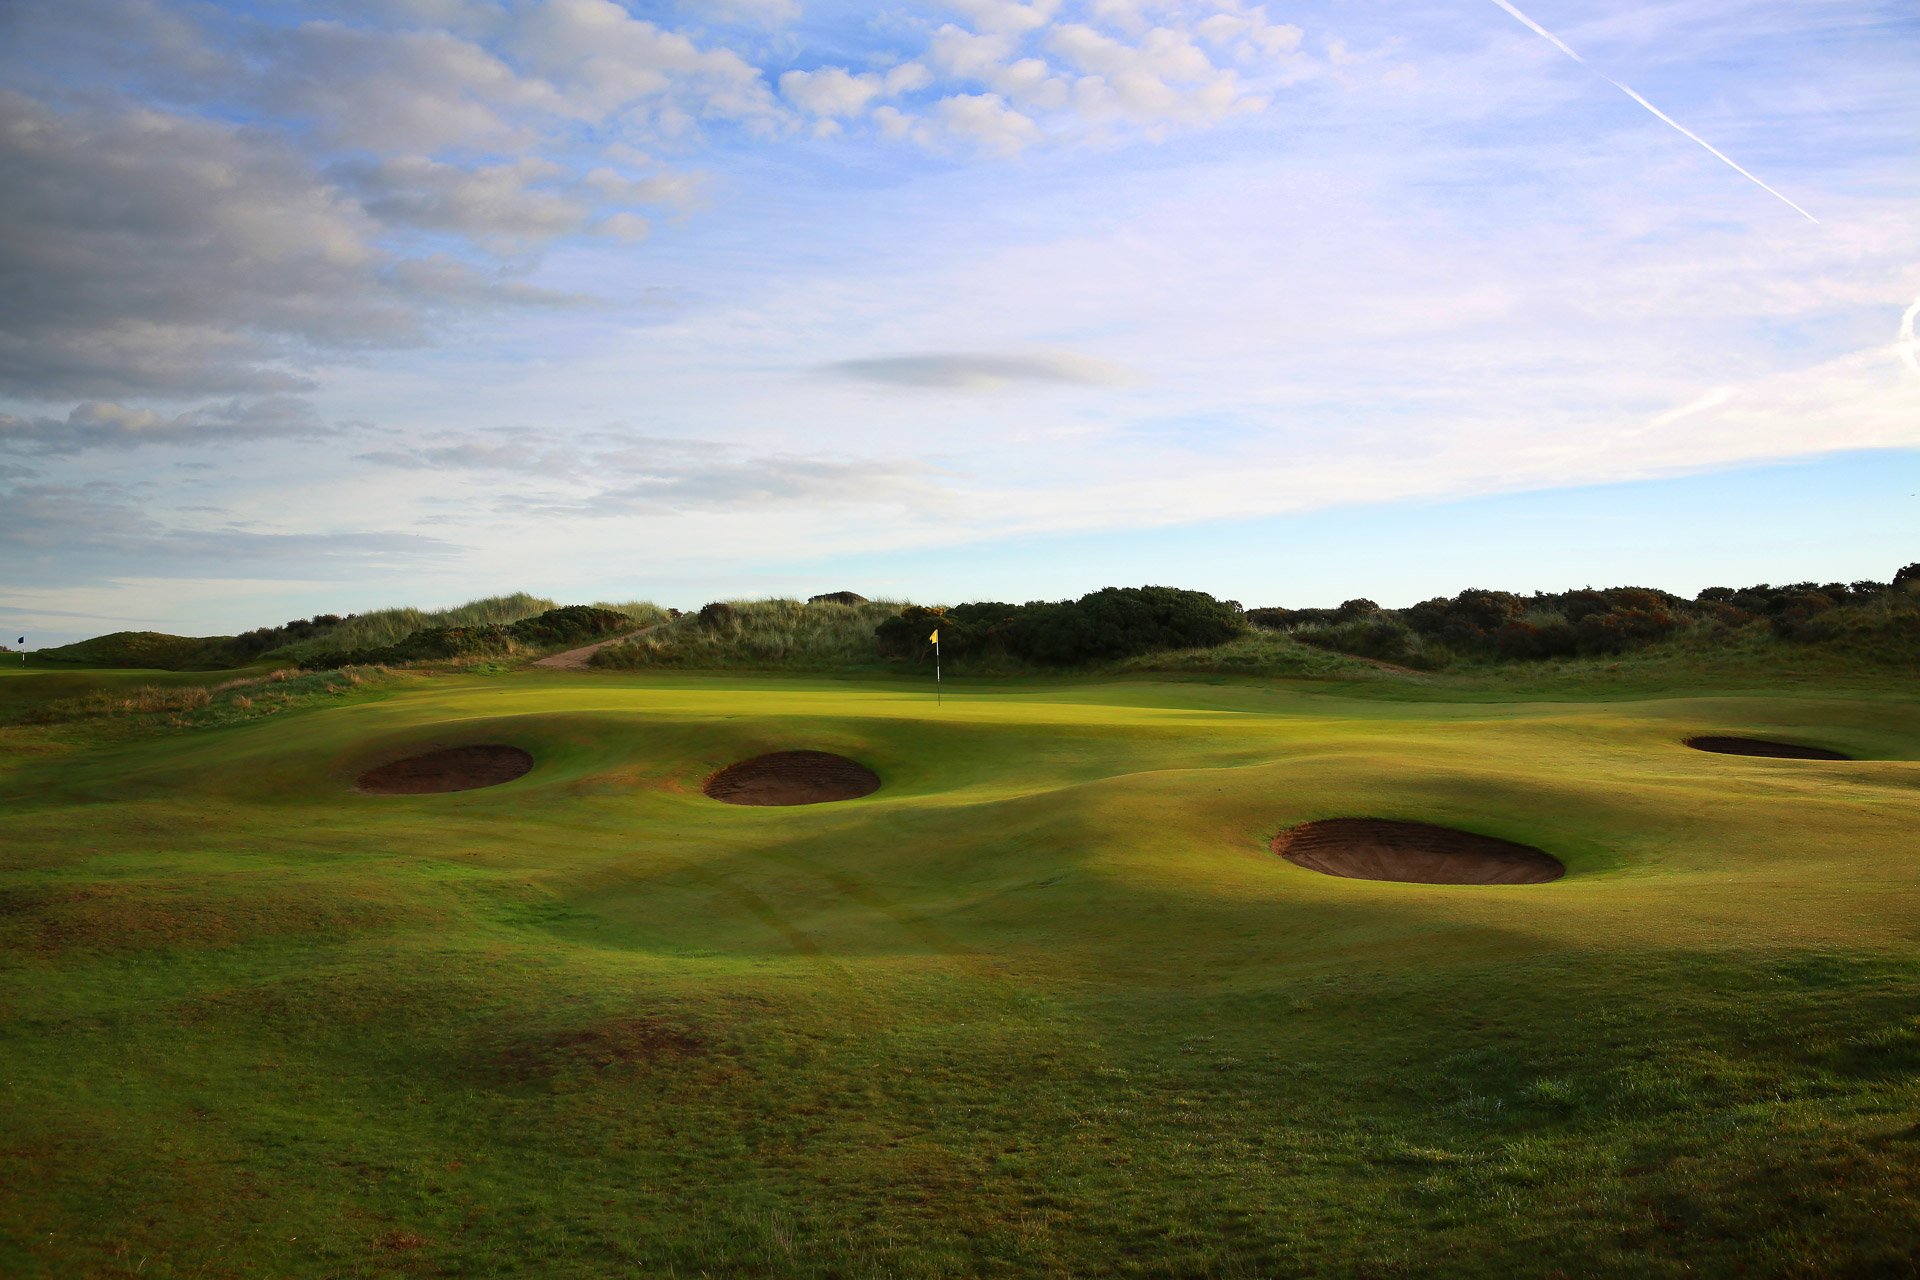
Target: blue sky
[[325, 307]]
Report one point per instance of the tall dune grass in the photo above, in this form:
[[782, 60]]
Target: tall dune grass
[[390, 626], [758, 633]]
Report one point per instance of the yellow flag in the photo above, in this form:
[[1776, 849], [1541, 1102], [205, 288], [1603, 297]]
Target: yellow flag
[[934, 638]]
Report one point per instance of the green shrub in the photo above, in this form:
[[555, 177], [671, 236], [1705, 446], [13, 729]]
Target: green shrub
[[1384, 638], [1114, 622], [966, 631], [576, 623]]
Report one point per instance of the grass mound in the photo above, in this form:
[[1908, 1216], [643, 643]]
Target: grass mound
[[1413, 853], [146, 650]]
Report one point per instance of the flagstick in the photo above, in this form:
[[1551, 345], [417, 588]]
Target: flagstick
[[936, 673]]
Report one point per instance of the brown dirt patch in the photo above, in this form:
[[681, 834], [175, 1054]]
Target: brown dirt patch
[[793, 777], [454, 769], [599, 1049], [50, 920], [1412, 852], [581, 659], [1761, 747]]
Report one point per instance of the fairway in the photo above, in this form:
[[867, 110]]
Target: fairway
[[1044, 1003]]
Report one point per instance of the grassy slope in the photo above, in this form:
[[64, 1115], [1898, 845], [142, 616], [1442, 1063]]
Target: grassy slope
[[143, 650], [1042, 1005]]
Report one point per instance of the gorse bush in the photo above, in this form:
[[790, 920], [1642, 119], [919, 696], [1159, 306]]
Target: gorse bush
[[758, 633], [1114, 622], [1874, 619]]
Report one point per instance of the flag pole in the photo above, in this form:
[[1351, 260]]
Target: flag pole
[[936, 669]]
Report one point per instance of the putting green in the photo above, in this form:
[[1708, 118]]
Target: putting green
[[1043, 1004]]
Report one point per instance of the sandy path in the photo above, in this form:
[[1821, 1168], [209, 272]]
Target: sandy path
[[579, 659]]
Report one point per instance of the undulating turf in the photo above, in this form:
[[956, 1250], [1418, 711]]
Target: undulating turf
[[1045, 1004]]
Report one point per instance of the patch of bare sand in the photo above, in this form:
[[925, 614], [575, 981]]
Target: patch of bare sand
[[454, 769], [1412, 853], [792, 777], [1761, 747], [582, 658]]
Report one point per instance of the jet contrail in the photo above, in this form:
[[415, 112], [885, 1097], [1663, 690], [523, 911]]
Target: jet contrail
[[1909, 349], [1564, 48]]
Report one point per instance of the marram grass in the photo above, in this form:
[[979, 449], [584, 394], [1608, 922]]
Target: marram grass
[[1043, 1005]]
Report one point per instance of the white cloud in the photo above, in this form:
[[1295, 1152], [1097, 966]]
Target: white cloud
[[499, 202], [97, 424], [961, 54], [831, 91], [612, 474], [1116, 69], [150, 252], [1002, 16], [986, 121], [604, 60]]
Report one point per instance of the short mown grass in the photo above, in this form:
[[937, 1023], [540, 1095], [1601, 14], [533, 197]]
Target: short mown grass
[[1044, 1005]]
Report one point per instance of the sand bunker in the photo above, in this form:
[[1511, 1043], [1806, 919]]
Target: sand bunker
[[1761, 747], [454, 769], [1413, 852], [792, 777]]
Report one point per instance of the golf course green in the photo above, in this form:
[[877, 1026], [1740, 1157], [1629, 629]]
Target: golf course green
[[1045, 1003]]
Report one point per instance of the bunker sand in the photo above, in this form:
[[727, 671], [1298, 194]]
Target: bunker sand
[[454, 769], [1413, 853], [1761, 747], [792, 777]]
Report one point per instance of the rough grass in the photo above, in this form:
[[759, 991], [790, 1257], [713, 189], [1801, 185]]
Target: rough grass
[[1261, 652], [759, 634], [229, 701], [1042, 1006]]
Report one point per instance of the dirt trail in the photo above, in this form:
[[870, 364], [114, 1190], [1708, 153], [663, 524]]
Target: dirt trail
[[580, 659]]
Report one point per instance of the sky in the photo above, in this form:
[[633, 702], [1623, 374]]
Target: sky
[[328, 307]]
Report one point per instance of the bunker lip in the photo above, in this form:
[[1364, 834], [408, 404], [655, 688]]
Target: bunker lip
[[1412, 853], [792, 777], [451, 769], [1728, 746]]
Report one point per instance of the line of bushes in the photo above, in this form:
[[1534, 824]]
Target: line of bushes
[[1881, 618], [1104, 625]]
